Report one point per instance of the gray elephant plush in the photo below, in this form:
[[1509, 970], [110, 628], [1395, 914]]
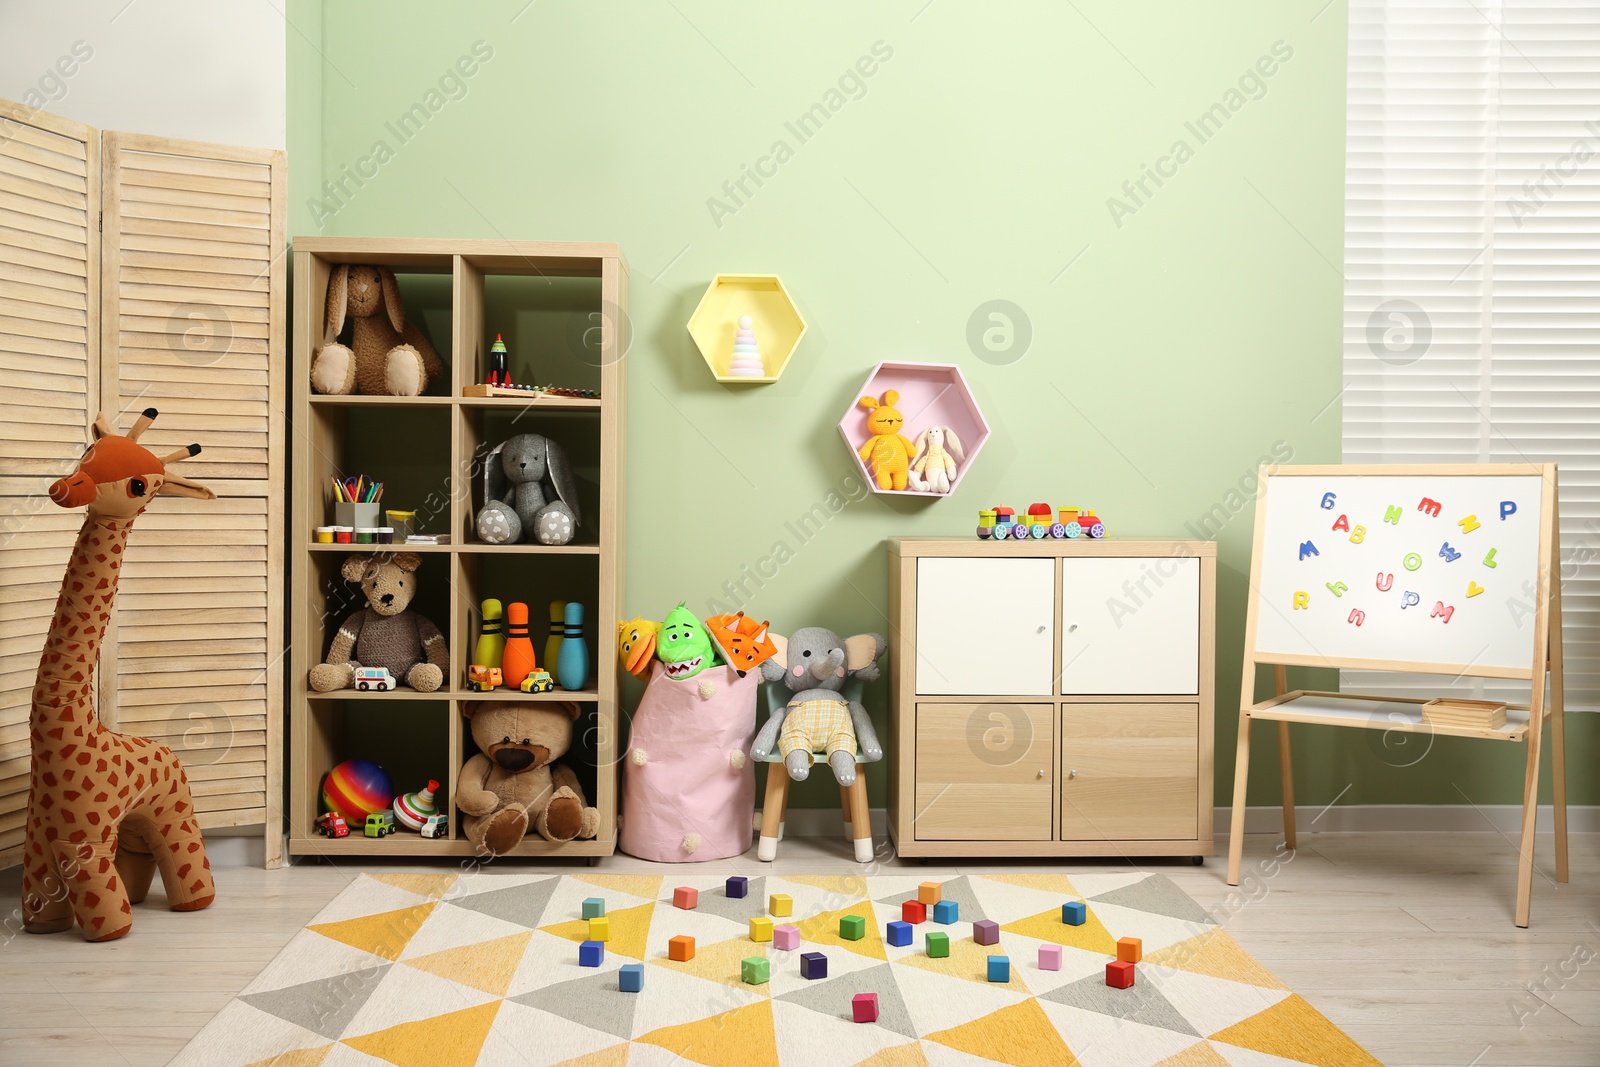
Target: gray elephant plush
[[814, 662], [528, 492]]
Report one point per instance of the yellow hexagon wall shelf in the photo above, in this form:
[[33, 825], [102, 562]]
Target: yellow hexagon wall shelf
[[774, 331]]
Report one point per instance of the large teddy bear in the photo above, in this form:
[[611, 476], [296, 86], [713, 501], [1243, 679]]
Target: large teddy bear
[[514, 783], [384, 634]]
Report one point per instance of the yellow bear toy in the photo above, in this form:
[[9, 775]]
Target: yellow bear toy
[[887, 452]]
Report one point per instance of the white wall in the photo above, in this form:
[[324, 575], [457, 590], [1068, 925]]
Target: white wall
[[206, 70]]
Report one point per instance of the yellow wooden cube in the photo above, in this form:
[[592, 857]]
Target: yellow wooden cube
[[600, 929], [780, 904], [761, 929], [930, 893]]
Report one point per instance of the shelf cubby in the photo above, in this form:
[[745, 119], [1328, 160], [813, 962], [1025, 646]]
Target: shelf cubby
[[930, 394], [776, 322]]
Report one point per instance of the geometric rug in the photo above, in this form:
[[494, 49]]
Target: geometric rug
[[481, 970]]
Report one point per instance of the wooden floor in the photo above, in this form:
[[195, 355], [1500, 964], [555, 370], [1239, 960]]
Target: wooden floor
[[1405, 940]]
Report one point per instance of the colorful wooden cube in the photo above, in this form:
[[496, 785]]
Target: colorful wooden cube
[[755, 970], [1119, 974], [899, 934], [680, 948], [737, 886], [600, 929], [1130, 949], [1074, 913], [591, 954], [780, 904], [939, 945], [947, 912], [999, 968], [594, 907], [761, 928], [930, 893], [853, 928], [813, 965], [631, 978], [686, 898], [986, 932], [914, 911], [786, 937], [1049, 957], [864, 1006]]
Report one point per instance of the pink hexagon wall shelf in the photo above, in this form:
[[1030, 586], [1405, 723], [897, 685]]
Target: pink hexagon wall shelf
[[930, 394]]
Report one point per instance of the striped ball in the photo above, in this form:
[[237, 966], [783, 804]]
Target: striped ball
[[357, 788]]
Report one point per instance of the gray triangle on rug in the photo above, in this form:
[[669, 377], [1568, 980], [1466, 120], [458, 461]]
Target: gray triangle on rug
[[325, 1005], [1157, 894], [593, 1001], [522, 904], [833, 996], [739, 909], [1140, 1003], [958, 889]]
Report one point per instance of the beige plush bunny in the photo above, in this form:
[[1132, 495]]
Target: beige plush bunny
[[386, 356], [932, 467]]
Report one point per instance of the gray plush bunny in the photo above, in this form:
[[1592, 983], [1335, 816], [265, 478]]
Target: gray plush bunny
[[528, 488]]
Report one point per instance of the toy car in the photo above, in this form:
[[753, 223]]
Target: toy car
[[333, 825], [436, 826], [380, 824], [377, 678], [484, 678], [538, 681]]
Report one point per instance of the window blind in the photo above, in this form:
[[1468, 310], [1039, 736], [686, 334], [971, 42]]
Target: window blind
[[1472, 267]]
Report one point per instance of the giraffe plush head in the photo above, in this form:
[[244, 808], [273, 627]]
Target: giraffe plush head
[[117, 477]]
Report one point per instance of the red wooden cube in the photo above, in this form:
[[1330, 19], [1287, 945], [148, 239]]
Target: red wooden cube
[[865, 1007], [914, 911], [1119, 974]]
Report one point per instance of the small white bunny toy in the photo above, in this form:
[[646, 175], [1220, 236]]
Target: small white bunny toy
[[932, 467]]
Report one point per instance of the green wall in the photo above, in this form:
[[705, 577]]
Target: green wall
[[1179, 333]]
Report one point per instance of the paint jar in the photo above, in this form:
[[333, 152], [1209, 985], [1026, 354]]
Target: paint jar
[[343, 535], [324, 535], [366, 535], [386, 535]]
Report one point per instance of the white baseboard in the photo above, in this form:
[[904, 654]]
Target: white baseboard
[[236, 846]]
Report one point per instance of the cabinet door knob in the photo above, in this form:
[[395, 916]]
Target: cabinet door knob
[[1041, 774], [1072, 628], [1040, 630], [1072, 774]]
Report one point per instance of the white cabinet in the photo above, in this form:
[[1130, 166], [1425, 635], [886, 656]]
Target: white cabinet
[[1130, 625], [985, 625]]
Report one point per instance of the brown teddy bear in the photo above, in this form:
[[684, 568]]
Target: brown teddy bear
[[386, 356], [384, 634], [514, 782]]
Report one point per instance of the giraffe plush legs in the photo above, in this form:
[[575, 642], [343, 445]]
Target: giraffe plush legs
[[44, 898], [185, 869], [94, 889], [135, 863]]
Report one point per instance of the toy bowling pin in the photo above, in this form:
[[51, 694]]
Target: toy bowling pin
[[552, 644], [572, 659], [518, 661], [491, 641]]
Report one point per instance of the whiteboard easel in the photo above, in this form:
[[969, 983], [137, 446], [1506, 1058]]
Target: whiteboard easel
[[1440, 569]]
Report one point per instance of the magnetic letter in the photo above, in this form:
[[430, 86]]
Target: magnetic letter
[[1384, 582], [1488, 561], [1302, 600], [1358, 535], [1412, 561], [1342, 524], [1508, 508], [1409, 599], [1450, 555], [1308, 549], [1392, 516], [1442, 612], [1473, 589], [1430, 506], [1468, 524], [1327, 501], [1337, 588], [1357, 616]]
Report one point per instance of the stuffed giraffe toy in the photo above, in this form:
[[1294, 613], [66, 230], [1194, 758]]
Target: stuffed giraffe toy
[[105, 810]]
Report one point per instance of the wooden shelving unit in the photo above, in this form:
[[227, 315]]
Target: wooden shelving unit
[[428, 450]]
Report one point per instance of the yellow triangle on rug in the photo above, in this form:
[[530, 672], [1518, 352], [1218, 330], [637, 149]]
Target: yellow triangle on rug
[[1294, 1030], [488, 966], [1020, 1035], [1216, 955], [1092, 936], [384, 934], [300, 1057], [743, 1037], [630, 930], [451, 1040]]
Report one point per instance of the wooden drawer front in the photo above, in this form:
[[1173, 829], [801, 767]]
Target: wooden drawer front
[[986, 626], [1130, 625], [1136, 772], [984, 772]]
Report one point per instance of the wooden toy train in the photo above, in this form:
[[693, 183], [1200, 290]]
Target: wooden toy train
[[1002, 523]]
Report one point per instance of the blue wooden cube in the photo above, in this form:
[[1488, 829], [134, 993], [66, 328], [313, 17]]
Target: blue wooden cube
[[946, 911], [999, 968], [738, 886], [813, 965], [1074, 913], [594, 908], [631, 978], [899, 933], [591, 953]]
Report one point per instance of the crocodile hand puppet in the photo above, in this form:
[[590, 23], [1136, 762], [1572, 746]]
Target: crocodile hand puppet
[[684, 645]]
